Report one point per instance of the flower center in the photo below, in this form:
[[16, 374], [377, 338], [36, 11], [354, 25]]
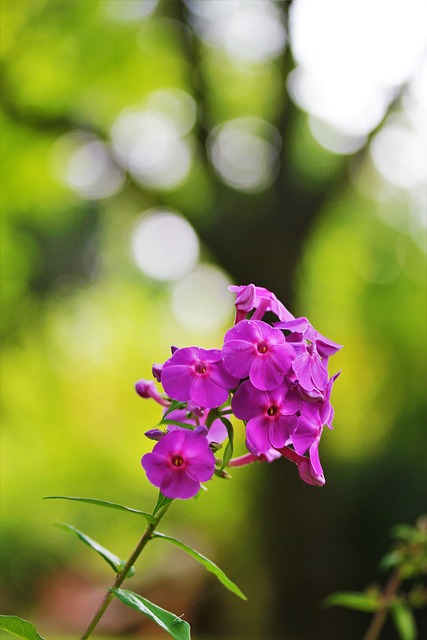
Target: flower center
[[177, 461], [200, 368], [272, 411], [262, 347]]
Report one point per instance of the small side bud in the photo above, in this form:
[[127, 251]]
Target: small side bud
[[147, 389], [154, 434], [157, 371]]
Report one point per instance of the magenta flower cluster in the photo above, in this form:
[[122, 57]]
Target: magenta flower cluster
[[271, 375]]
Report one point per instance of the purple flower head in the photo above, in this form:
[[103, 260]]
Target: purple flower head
[[197, 375], [313, 351], [322, 411], [179, 463], [271, 415], [253, 348], [311, 371], [147, 389], [249, 297]]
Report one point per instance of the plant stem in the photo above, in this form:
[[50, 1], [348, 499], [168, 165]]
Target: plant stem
[[120, 578], [380, 617]]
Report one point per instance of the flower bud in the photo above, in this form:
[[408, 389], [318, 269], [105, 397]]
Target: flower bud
[[154, 434], [147, 389]]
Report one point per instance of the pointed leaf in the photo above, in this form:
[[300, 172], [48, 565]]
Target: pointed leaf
[[175, 404], [114, 561], [19, 627], [403, 621], [228, 451], [105, 503], [162, 501], [184, 425], [208, 564], [169, 622], [353, 600]]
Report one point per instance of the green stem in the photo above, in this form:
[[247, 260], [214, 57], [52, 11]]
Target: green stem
[[120, 578], [380, 617], [213, 413]]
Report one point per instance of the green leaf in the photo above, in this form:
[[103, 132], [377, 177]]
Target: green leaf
[[184, 425], [19, 627], [353, 600], [208, 564], [114, 561], [403, 621], [105, 503], [169, 622], [228, 451], [176, 404], [390, 560], [162, 501]]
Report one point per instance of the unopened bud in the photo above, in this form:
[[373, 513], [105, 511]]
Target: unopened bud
[[154, 434], [157, 372], [147, 389]]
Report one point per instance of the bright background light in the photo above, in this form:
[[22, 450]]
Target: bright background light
[[164, 245], [86, 165], [201, 301], [248, 32], [351, 58], [244, 153], [151, 141]]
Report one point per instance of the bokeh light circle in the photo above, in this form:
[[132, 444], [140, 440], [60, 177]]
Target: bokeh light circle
[[201, 301], [164, 245]]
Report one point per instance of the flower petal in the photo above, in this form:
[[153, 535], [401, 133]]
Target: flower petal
[[237, 356], [207, 393], [264, 374], [177, 381], [257, 435], [179, 484], [249, 402], [281, 429]]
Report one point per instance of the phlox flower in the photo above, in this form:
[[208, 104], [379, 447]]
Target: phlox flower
[[271, 415], [312, 354], [249, 297], [197, 375], [179, 462], [253, 348]]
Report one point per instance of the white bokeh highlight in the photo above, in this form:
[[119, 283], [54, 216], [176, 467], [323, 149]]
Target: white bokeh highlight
[[86, 165], [245, 153], [248, 32], [201, 301], [164, 245], [352, 57], [152, 141]]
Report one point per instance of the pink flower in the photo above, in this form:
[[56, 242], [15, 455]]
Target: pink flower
[[249, 297], [179, 462], [271, 415], [253, 348], [197, 374]]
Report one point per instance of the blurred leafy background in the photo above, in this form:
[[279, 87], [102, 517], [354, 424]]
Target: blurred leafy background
[[153, 152]]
